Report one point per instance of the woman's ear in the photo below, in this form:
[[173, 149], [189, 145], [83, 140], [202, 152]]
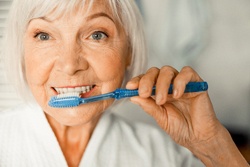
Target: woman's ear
[[128, 60], [129, 57]]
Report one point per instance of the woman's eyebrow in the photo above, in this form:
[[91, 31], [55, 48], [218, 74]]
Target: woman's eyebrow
[[42, 18], [101, 14], [45, 19], [93, 16]]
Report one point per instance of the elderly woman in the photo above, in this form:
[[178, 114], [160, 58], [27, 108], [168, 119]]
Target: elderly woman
[[90, 48]]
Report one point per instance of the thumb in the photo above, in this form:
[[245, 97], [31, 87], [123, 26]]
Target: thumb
[[149, 106]]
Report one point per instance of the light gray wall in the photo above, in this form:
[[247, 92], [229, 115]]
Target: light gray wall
[[224, 61]]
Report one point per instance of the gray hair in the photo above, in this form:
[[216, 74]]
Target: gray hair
[[125, 11]]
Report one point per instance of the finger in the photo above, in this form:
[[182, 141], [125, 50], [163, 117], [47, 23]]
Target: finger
[[134, 82], [162, 115], [147, 82], [186, 75], [147, 104], [165, 78]]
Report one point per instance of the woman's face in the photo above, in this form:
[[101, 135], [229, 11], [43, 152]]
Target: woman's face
[[85, 52]]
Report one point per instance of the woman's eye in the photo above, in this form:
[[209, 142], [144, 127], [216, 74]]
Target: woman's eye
[[43, 36], [98, 35]]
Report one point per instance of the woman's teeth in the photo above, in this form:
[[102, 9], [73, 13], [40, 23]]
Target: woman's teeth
[[77, 90]]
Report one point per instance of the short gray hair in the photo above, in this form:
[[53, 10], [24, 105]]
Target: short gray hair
[[23, 11]]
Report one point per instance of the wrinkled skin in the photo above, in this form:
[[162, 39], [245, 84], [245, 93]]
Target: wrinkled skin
[[187, 118]]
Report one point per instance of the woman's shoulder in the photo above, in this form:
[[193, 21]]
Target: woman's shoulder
[[12, 123], [14, 112], [17, 116], [11, 112]]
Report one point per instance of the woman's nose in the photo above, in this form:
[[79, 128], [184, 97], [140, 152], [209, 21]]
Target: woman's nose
[[71, 59]]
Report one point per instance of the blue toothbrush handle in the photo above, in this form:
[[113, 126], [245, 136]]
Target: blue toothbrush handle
[[74, 101], [123, 93], [190, 87]]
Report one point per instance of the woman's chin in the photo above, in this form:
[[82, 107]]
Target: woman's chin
[[75, 116]]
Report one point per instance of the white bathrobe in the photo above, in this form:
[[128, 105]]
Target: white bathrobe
[[27, 140]]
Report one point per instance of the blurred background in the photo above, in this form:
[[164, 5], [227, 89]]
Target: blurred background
[[211, 36]]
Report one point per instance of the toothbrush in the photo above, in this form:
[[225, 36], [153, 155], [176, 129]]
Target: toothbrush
[[74, 100]]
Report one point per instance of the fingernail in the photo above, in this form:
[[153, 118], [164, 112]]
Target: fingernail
[[175, 93], [143, 89], [132, 99], [129, 83], [159, 98]]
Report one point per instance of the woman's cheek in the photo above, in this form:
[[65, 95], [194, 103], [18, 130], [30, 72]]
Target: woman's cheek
[[107, 59], [110, 70], [37, 66]]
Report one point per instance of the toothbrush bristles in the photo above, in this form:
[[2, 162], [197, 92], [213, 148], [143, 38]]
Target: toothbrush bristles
[[65, 100]]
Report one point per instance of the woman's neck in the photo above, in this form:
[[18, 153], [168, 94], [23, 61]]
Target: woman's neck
[[73, 140]]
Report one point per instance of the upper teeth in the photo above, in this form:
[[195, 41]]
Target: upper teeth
[[79, 90]]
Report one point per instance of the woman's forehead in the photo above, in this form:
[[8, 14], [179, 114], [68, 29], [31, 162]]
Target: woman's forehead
[[69, 8]]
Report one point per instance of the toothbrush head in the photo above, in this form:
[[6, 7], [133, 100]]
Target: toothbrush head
[[64, 102]]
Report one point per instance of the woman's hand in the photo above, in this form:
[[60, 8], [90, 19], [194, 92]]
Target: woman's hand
[[188, 118]]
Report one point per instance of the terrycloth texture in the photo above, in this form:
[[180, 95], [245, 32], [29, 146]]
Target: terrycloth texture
[[27, 140]]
